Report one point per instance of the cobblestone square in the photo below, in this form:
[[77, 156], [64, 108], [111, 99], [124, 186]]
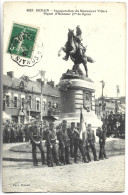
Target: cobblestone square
[[101, 176]]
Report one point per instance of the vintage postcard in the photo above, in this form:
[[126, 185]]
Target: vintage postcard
[[64, 96]]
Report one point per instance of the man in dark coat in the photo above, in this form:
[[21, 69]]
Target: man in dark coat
[[61, 145], [79, 144], [91, 143], [102, 140], [66, 141], [71, 137], [36, 141], [54, 144]]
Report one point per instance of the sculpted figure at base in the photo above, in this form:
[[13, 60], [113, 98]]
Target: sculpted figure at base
[[75, 49]]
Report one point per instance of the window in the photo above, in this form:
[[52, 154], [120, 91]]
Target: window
[[7, 100], [43, 106], [49, 104], [15, 102], [37, 105], [22, 119], [22, 102], [21, 85]]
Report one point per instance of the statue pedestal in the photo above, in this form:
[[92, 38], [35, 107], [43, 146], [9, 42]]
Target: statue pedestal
[[77, 94]]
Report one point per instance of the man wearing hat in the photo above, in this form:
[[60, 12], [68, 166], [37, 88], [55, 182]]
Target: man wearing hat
[[78, 38], [54, 144], [66, 141], [63, 138], [91, 143], [59, 134], [71, 137], [36, 141], [102, 140], [79, 144]]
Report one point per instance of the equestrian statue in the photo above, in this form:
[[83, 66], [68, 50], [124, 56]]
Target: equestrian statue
[[75, 49]]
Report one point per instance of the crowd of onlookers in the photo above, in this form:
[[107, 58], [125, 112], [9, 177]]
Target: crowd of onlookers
[[15, 132], [115, 124]]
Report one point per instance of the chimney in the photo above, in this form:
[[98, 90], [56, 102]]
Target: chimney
[[51, 83], [39, 81], [10, 74], [26, 78]]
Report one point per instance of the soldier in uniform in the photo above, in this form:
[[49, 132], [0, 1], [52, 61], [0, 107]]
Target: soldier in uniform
[[102, 140], [91, 143], [71, 137], [79, 39], [78, 144], [46, 136], [36, 141], [111, 121], [66, 141], [54, 144], [61, 145]]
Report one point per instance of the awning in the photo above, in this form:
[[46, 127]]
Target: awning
[[122, 108], [49, 118], [6, 116]]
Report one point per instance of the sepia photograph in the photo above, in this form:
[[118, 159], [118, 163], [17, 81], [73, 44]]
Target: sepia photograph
[[63, 97]]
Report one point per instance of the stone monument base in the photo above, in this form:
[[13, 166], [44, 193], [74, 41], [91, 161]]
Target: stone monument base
[[89, 118], [77, 92]]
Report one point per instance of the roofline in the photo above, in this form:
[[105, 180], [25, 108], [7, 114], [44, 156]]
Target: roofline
[[110, 98], [32, 92]]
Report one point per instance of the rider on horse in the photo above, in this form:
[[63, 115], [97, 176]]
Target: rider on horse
[[78, 40]]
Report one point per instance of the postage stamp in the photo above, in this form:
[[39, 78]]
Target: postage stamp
[[22, 40]]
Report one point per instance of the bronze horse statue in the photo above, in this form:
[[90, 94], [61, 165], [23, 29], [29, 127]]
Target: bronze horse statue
[[76, 51]]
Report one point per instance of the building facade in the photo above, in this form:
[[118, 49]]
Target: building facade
[[22, 98], [104, 105]]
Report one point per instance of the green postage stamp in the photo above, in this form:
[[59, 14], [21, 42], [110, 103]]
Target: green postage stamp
[[22, 40]]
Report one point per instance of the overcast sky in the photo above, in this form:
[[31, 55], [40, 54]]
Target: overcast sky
[[103, 33]]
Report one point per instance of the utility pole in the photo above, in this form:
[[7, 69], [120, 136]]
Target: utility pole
[[42, 73], [117, 90], [103, 84]]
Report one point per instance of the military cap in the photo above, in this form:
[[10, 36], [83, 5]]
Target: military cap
[[78, 26], [64, 122]]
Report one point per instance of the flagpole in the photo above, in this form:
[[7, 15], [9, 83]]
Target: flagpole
[[117, 90], [42, 73]]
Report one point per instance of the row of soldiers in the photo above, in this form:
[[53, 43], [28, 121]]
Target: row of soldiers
[[115, 124], [14, 132], [61, 143]]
